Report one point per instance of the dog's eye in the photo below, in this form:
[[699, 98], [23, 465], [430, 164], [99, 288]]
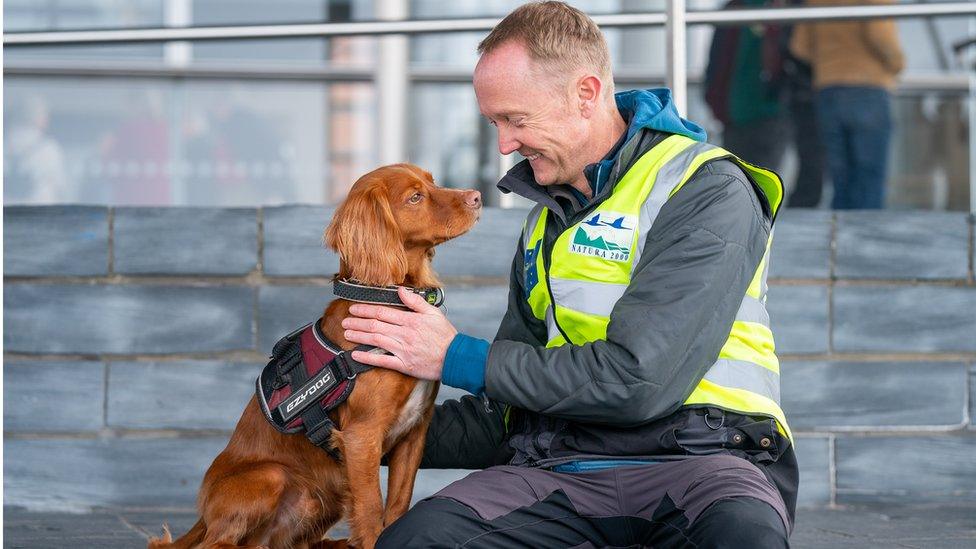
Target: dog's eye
[[417, 197]]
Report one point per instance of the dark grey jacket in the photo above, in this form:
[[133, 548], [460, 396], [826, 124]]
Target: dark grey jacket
[[622, 396]]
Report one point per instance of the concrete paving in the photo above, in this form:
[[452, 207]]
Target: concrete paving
[[948, 526]]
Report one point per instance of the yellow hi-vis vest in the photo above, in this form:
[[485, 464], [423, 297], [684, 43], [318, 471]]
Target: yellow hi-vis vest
[[592, 263]]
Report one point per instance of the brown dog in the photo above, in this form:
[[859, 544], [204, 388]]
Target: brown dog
[[269, 489]]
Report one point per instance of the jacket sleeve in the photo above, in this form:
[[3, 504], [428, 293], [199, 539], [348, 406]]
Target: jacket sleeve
[[669, 325], [466, 434], [882, 40]]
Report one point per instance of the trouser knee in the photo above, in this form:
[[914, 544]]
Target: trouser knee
[[740, 522], [435, 522]]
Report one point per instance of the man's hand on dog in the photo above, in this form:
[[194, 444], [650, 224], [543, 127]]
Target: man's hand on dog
[[418, 338]]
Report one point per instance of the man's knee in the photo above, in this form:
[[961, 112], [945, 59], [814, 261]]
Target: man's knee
[[436, 522], [740, 522]]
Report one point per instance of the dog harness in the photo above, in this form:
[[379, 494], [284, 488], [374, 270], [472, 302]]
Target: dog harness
[[308, 375]]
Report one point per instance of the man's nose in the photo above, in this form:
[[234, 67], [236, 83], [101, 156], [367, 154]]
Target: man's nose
[[507, 144]]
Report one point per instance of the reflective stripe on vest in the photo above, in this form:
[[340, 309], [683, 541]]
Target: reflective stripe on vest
[[592, 262]]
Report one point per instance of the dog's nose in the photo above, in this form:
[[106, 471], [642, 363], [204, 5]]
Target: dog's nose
[[472, 199]]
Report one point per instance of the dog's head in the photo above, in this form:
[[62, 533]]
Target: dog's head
[[393, 214]]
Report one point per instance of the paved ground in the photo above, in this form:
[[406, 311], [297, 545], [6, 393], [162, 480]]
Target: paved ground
[[890, 526]]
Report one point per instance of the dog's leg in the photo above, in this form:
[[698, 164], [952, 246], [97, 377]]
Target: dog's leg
[[361, 447], [404, 459], [242, 508]]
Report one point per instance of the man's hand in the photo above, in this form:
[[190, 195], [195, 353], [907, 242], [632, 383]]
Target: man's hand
[[418, 338]]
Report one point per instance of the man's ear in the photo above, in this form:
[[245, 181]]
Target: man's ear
[[589, 91], [365, 234]]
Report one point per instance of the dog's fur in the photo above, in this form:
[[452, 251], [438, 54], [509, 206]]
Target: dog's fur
[[268, 489]]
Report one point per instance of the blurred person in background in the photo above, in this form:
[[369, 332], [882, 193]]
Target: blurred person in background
[[136, 151], [855, 64], [743, 88], [800, 99], [33, 161]]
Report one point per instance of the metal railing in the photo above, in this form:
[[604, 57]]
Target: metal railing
[[393, 80], [367, 28]]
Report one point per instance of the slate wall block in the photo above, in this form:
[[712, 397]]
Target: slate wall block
[[798, 316], [179, 395], [844, 395], [801, 244], [55, 241], [813, 457], [487, 249], [99, 318], [282, 309], [902, 245], [80, 474], [477, 310], [921, 319], [293, 241], [906, 468], [53, 396], [185, 241]]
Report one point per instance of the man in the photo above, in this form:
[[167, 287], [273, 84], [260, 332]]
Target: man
[[744, 88], [855, 64], [632, 387]]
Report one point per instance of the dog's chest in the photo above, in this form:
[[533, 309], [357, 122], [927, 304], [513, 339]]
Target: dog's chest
[[412, 411]]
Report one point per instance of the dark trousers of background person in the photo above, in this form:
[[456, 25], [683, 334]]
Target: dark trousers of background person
[[808, 190], [762, 142], [855, 126]]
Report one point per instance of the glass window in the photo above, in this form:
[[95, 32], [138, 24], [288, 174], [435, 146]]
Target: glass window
[[163, 142], [261, 138]]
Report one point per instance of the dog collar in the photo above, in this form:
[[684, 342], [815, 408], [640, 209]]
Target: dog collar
[[383, 295]]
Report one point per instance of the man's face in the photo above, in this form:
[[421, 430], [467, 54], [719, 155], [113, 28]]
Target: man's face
[[534, 113]]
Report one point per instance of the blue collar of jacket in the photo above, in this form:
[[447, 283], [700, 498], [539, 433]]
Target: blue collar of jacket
[[652, 109]]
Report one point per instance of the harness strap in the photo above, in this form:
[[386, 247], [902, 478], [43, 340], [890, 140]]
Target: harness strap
[[318, 426], [382, 295]]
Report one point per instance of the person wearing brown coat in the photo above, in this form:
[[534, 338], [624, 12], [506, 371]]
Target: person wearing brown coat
[[855, 64]]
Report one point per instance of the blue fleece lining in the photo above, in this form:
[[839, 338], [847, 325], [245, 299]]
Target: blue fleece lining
[[599, 465], [464, 364]]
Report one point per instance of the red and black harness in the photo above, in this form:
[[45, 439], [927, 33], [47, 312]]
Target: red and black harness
[[308, 375]]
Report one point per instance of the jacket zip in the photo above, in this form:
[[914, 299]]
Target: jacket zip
[[546, 253], [575, 218]]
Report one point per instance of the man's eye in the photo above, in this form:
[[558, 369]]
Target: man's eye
[[417, 197], [517, 122]]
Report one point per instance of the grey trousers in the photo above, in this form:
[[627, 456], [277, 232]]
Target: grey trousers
[[700, 501]]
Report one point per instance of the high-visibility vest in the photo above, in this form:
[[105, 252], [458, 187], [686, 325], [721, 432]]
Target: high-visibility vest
[[592, 263]]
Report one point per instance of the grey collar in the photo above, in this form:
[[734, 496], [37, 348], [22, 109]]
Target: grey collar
[[353, 290]]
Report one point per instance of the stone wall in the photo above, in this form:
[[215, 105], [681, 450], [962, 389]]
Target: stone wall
[[133, 335]]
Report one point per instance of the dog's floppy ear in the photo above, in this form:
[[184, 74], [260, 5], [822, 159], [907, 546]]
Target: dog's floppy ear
[[365, 234]]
